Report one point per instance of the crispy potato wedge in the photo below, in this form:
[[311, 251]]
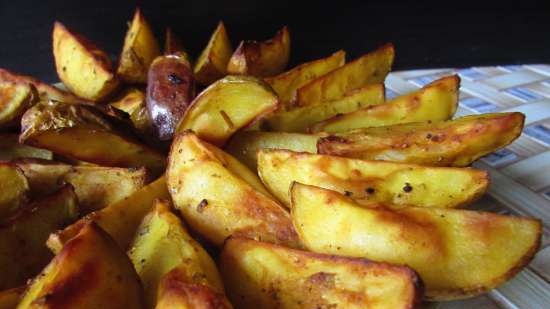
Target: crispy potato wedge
[[435, 102], [262, 275], [82, 67], [286, 84], [81, 133], [367, 182], [15, 98], [22, 250], [457, 253], [226, 106], [14, 191], [162, 244], [301, 118], [10, 298], [370, 68], [170, 89], [139, 50], [11, 149], [90, 272], [132, 102], [172, 43], [120, 220], [261, 59], [219, 197], [451, 143], [212, 62]]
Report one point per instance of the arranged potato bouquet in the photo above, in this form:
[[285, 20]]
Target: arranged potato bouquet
[[227, 182]]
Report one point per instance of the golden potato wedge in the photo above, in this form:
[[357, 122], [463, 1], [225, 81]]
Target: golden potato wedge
[[370, 68], [79, 132], [226, 106], [456, 142], [132, 102], [301, 118], [15, 98], [261, 59], [435, 102], [11, 149], [172, 43], [162, 244], [139, 50], [457, 253], [90, 272], [286, 83], [82, 67], [10, 298], [120, 220], [395, 184], [22, 250], [212, 63], [219, 197], [14, 190], [262, 275]]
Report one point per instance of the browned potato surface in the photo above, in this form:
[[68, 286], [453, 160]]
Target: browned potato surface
[[13, 191], [172, 43], [212, 63], [10, 298], [15, 98]]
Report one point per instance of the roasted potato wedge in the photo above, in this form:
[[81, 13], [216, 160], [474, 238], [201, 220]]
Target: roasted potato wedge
[[132, 102], [457, 253], [82, 67], [22, 250], [172, 43], [212, 63], [367, 182], [262, 275], [15, 98], [228, 105], [139, 50], [120, 220], [286, 83], [11, 149], [451, 143], [14, 190], [10, 298], [162, 244], [301, 118], [370, 68], [219, 197], [79, 132], [170, 89], [435, 102], [90, 272]]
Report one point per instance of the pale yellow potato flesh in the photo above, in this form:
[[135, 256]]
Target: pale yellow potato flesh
[[15, 98], [262, 275], [132, 102], [457, 253], [14, 191], [212, 62], [11, 149], [435, 102]]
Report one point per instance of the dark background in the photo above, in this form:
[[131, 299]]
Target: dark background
[[426, 34]]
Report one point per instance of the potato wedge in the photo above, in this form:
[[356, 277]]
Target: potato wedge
[[10, 298], [212, 63], [172, 43], [262, 275], [301, 118], [219, 197], [82, 67], [456, 142], [395, 184], [228, 105], [14, 191], [11, 149], [22, 237], [435, 102], [132, 102], [162, 244], [370, 68], [90, 272], [457, 253], [81, 133], [15, 98], [120, 220], [170, 89], [261, 59], [139, 50], [286, 83]]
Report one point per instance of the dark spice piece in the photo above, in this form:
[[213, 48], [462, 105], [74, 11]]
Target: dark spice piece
[[370, 190], [202, 205], [407, 188], [174, 79], [348, 193]]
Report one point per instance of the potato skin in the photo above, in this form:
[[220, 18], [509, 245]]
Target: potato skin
[[12, 149]]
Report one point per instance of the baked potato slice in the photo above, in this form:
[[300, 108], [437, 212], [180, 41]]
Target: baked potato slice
[[10, 298], [90, 272], [262, 275], [286, 83], [120, 220], [212, 62], [435, 102], [163, 244], [172, 43], [139, 50], [80, 132], [82, 67], [456, 142], [11, 149], [15, 98], [132, 102], [227, 105], [370, 68], [219, 197], [457, 253], [14, 191], [22, 237], [367, 182]]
